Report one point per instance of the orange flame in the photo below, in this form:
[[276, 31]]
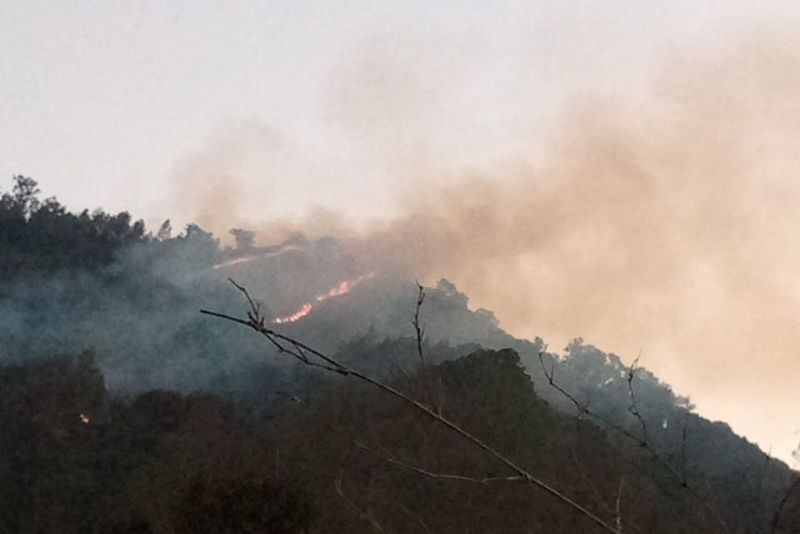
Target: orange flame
[[299, 314], [337, 291], [341, 289]]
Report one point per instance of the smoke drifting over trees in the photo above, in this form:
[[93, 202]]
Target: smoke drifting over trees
[[91, 349], [661, 223]]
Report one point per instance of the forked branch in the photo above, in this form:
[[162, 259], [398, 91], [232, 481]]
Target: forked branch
[[641, 440], [314, 358], [393, 460]]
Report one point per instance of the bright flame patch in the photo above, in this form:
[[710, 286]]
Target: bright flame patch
[[337, 291], [299, 314]]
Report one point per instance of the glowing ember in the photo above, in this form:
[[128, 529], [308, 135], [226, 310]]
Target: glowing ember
[[299, 314], [341, 289], [85, 419], [337, 291]]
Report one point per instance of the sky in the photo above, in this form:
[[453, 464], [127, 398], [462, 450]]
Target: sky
[[102, 100], [368, 117]]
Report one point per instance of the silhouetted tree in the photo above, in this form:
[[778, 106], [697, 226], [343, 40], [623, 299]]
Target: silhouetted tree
[[244, 238]]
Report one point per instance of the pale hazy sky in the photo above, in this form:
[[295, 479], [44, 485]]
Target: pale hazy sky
[[133, 105], [100, 100]]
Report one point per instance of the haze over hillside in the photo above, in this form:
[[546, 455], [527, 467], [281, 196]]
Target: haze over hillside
[[622, 172], [660, 225], [108, 367], [607, 189]]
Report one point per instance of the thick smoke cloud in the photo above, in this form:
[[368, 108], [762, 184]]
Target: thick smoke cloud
[[666, 223], [139, 317]]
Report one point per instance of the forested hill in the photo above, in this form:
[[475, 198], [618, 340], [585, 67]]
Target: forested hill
[[41, 235], [123, 409]]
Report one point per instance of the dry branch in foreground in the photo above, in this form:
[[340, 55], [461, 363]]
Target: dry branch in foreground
[[306, 355], [642, 441]]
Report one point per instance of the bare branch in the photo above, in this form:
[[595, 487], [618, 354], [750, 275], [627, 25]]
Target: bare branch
[[415, 516], [303, 352], [255, 308], [619, 501], [583, 409], [593, 487], [391, 459], [417, 328], [366, 515], [633, 408], [427, 390]]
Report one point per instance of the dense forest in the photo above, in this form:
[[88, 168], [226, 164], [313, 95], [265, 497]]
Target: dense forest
[[124, 409]]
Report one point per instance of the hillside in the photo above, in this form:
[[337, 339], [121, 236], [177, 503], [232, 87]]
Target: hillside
[[123, 409]]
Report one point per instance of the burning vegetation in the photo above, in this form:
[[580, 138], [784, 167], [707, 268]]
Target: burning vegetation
[[343, 288], [177, 424]]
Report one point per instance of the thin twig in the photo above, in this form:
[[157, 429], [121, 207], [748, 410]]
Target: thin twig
[[633, 408], [390, 459], [415, 516], [255, 307], [419, 330], [593, 487], [619, 501], [366, 515], [643, 443]]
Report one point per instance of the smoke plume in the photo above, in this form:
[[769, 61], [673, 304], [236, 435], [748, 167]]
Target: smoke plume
[[666, 222]]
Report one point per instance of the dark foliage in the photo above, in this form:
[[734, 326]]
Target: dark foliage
[[42, 236], [339, 462], [281, 448]]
